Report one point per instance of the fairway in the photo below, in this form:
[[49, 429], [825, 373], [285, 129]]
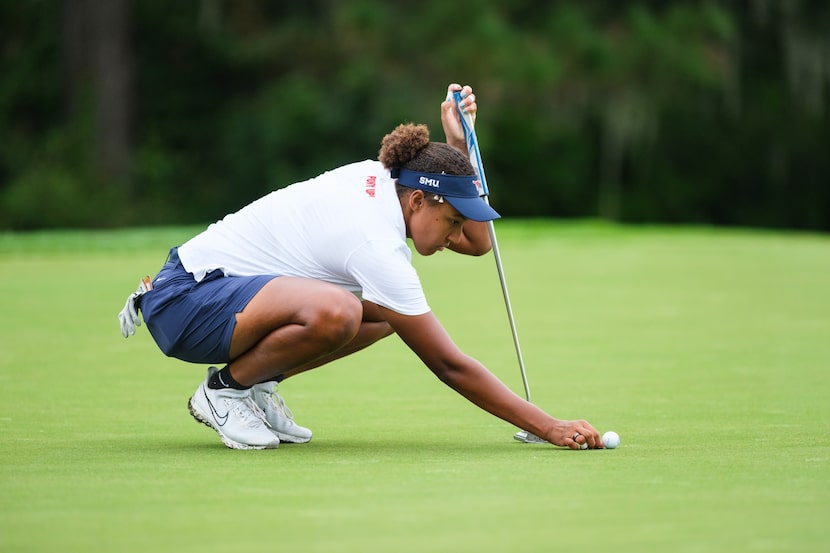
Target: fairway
[[707, 350]]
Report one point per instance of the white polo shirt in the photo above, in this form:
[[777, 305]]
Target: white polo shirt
[[344, 227]]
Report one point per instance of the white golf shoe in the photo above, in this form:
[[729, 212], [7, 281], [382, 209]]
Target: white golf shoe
[[279, 417], [234, 416]]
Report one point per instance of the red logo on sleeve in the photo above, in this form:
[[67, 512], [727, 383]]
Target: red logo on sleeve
[[371, 183]]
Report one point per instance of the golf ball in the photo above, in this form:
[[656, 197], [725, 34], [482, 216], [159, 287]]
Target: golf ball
[[611, 440]]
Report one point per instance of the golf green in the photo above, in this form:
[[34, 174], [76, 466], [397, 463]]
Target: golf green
[[707, 350]]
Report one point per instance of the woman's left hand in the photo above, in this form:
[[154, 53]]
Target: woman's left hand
[[449, 116]]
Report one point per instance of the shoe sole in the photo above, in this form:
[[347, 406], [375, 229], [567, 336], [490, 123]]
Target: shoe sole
[[289, 439], [231, 444]]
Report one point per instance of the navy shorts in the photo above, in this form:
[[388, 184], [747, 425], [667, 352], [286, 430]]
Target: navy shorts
[[194, 321]]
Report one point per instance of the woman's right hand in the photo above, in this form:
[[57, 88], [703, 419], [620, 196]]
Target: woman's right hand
[[450, 120]]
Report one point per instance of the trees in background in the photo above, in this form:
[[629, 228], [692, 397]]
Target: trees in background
[[149, 112]]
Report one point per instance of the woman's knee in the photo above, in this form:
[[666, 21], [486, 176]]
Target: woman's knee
[[335, 318]]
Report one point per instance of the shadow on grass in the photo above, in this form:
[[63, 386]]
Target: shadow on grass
[[343, 449], [145, 445]]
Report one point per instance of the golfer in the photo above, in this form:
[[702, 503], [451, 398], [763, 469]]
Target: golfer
[[321, 269]]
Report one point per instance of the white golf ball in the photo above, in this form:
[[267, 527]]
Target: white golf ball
[[611, 440]]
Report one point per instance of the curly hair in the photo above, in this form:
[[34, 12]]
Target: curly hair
[[408, 147]]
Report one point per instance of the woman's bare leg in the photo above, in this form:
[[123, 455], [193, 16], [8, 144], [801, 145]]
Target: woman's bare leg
[[372, 329], [293, 324]]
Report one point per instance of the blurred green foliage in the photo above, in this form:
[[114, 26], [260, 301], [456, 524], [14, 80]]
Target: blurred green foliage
[[704, 112]]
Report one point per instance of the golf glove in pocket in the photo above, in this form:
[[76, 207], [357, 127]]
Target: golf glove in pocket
[[128, 317]]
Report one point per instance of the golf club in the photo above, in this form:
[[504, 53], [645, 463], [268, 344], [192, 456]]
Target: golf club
[[468, 124]]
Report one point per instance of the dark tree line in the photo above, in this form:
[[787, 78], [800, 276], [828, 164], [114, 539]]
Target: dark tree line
[[132, 112]]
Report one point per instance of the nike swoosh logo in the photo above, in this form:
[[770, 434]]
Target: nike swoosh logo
[[220, 419]]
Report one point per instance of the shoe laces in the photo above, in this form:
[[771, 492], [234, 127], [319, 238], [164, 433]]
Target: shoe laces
[[279, 403], [248, 412]]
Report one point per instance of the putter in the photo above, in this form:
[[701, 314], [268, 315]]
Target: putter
[[468, 124]]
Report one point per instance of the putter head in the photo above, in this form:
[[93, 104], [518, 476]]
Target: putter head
[[528, 438]]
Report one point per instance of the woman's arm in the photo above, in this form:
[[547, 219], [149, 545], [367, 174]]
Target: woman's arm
[[475, 238], [428, 339]]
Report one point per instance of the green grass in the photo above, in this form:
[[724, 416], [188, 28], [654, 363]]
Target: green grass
[[707, 350]]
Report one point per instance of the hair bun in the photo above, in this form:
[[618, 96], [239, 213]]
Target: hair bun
[[403, 144]]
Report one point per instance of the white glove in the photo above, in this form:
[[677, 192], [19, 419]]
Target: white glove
[[129, 315]]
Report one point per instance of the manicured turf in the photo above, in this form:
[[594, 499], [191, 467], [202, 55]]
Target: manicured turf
[[707, 350]]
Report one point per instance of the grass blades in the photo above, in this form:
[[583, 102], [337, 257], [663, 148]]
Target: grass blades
[[707, 350]]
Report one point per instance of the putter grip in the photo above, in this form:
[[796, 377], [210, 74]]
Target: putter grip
[[472, 145], [465, 117]]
